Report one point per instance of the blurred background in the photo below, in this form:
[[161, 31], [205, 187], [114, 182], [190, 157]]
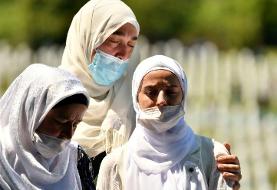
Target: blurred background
[[227, 48]]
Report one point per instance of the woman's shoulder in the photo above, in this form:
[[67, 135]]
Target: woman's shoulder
[[209, 150], [211, 145], [206, 143]]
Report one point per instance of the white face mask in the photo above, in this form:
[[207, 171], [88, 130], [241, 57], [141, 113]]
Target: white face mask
[[161, 119], [49, 146]]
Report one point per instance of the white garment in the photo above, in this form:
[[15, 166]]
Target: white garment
[[22, 108], [181, 176], [158, 160], [154, 154], [108, 120], [197, 171]]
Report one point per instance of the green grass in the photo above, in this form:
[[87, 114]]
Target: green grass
[[273, 176]]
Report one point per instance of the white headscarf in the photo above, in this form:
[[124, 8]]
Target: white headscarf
[[22, 108], [152, 153], [110, 106]]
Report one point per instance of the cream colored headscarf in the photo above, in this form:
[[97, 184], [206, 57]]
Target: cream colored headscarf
[[22, 108], [110, 116]]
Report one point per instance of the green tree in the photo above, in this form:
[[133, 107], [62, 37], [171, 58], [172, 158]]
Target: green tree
[[37, 22]]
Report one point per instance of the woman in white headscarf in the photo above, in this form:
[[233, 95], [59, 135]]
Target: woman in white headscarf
[[39, 112], [99, 44], [163, 151]]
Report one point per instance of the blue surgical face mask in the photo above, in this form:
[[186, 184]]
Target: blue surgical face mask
[[106, 69]]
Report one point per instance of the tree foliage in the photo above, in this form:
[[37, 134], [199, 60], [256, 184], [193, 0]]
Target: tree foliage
[[227, 23], [37, 22]]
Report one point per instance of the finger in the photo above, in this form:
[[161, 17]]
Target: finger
[[228, 147], [236, 186], [232, 176], [227, 159], [228, 168]]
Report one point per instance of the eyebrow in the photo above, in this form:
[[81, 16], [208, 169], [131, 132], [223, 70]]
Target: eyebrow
[[120, 33], [154, 85]]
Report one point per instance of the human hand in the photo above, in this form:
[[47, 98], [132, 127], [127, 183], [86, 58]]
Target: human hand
[[229, 166]]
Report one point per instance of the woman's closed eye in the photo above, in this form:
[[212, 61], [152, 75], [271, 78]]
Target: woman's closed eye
[[131, 44], [151, 93], [114, 41], [171, 93], [60, 122]]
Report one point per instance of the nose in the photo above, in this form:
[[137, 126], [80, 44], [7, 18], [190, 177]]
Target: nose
[[122, 52], [161, 99]]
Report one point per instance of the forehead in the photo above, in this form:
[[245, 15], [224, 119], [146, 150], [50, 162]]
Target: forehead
[[160, 76], [68, 110], [126, 30]]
